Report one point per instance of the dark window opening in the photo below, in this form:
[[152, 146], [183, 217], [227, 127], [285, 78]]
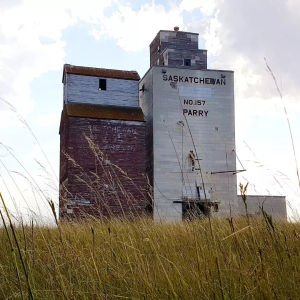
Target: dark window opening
[[149, 209], [187, 62], [194, 210], [216, 207], [198, 192], [102, 84]]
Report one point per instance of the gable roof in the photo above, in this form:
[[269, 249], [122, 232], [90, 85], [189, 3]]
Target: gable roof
[[99, 72]]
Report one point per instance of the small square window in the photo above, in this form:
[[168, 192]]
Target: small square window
[[102, 84], [187, 62]]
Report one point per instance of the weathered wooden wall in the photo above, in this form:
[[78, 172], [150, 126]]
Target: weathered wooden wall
[[106, 172], [63, 166], [102, 134], [64, 137], [181, 45], [175, 58], [85, 89]]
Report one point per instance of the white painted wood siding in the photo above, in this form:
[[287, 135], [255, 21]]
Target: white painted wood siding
[[85, 89]]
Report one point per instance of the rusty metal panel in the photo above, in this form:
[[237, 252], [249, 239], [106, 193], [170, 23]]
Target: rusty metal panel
[[104, 111], [99, 72]]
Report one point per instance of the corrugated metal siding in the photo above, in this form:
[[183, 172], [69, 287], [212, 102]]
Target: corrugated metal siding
[[146, 103], [172, 144], [85, 89], [273, 205]]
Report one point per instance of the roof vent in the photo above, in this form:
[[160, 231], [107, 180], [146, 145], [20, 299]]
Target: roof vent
[[176, 28]]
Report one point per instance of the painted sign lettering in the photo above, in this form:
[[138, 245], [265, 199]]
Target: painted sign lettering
[[193, 102], [195, 112], [197, 80]]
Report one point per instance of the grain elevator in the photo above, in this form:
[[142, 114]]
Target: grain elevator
[[190, 129], [102, 142], [163, 145]]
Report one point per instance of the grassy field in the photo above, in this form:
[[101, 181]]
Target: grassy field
[[239, 258], [221, 259]]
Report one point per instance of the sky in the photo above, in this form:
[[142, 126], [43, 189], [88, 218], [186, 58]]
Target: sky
[[37, 37]]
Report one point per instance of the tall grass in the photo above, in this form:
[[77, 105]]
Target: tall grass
[[245, 259], [269, 70], [234, 258]]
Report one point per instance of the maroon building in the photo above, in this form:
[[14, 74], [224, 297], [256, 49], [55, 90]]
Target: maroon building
[[102, 141]]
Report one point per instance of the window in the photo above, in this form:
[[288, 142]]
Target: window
[[216, 207], [187, 62], [102, 84]]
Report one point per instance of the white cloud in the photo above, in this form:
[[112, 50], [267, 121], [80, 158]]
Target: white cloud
[[48, 119], [240, 34], [30, 37], [132, 29], [23, 54], [90, 11], [211, 35], [234, 38], [207, 6]]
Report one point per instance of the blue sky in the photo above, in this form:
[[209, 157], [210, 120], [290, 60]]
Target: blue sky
[[38, 37]]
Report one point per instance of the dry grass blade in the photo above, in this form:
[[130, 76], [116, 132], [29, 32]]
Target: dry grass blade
[[235, 233], [287, 118], [30, 295], [142, 260]]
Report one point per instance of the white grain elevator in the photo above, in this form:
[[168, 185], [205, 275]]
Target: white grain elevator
[[190, 130]]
